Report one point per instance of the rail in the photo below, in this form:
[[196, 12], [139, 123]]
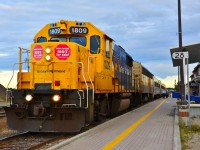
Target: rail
[[2, 112], [84, 81], [8, 95], [80, 98], [31, 140], [20, 70], [18, 81]]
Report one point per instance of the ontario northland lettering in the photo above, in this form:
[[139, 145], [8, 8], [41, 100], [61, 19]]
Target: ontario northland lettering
[[52, 71]]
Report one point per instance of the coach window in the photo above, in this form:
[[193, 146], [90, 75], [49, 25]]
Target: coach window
[[107, 48], [78, 40], [94, 44]]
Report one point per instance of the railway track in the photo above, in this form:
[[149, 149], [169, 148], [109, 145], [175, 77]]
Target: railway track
[[37, 141], [2, 112], [32, 141]]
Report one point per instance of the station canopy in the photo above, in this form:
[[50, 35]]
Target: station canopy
[[193, 51]]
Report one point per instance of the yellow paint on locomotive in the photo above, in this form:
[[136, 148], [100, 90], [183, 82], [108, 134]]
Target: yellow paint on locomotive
[[137, 76], [68, 73], [64, 71]]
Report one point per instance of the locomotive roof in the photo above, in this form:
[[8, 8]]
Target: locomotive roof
[[65, 24], [147, 72]]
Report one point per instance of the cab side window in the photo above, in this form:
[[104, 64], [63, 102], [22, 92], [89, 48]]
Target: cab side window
[[107, 48], [94, 44]]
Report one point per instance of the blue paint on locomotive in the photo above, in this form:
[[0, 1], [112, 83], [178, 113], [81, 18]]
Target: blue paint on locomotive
[[123, 67]]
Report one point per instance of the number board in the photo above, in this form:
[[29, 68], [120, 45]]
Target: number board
[[54, 31], [78, 30], [180, 55]]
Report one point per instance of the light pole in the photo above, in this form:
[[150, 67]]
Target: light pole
[[182, 83]]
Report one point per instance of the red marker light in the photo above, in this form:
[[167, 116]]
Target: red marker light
[[57, 83]]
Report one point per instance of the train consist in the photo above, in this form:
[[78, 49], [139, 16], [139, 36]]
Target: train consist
[[77, 74]]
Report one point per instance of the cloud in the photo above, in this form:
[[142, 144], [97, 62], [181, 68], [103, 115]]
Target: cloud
[[161, 68], [3, 54], [5, 7], [169, 81]]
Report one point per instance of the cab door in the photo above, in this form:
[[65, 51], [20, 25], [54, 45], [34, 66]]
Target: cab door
[[107, 63]]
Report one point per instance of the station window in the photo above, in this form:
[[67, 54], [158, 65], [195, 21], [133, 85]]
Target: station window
[[78, 40], [41, 39], [94, 44]]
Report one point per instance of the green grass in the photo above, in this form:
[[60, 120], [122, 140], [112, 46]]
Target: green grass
[[186, 133]]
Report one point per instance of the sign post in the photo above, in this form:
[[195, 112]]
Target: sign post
[[183, 56]]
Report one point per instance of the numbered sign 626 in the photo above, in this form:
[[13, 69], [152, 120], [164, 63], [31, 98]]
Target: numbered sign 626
[[180, 55]]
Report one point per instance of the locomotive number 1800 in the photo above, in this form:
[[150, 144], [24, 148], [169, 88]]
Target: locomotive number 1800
[[78, 30]]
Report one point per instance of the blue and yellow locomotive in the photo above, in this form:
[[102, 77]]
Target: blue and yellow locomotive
[[76, 74]]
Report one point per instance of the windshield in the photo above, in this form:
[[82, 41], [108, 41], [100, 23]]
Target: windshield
[[41, 39], [78, 40], [59, 39]]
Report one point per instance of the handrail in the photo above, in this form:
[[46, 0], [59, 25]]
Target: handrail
[[84, 80], [78, 91], [83, 77], [90, 77], [59, 62], [7, 89], [14, 72], [7, 92], [12, 75]]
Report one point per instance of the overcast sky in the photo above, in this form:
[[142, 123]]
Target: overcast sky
[[146, 29]]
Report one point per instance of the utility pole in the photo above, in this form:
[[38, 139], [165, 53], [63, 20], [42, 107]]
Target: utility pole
[[182, 80]]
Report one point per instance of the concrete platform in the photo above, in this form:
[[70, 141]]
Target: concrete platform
[[150, 127]]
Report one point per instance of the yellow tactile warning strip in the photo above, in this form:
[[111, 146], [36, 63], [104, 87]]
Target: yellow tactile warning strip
[[124, 134]]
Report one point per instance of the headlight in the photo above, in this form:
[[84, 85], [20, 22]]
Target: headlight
[[48, 50], [48, 57], [29, 97], [56, 98]]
